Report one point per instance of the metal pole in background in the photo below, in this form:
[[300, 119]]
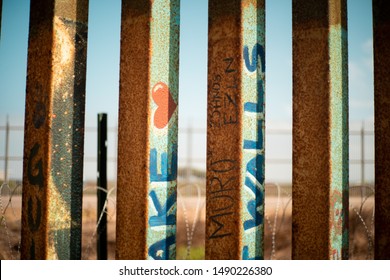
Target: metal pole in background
[[235, 130], [362, 163], [6, 158], [381, 22], [147, 136], [189, 152], [54, 130], [320, 130], [102, 188], [362, 156]]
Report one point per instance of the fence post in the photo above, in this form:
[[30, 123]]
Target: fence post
[[235, 130], [320, 130], [381, 20], [54, 130], [6, 158], [102, 188], [147, 136], [189, 153], [362, 156]]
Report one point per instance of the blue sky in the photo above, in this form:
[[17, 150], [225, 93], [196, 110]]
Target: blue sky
[[103, 69]]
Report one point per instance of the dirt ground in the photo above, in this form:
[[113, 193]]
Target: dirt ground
[[277, 211]]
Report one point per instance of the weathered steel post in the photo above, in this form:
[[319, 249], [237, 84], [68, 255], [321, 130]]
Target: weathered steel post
[[101, 241], [381, 18], [320, 130], [54, 130], [147, 136], [235, 130]]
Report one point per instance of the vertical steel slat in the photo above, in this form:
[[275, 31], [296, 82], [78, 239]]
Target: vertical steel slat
[[235, 130], [101, 240], [381, 20], [54, 130], [320, 130], [147, 140]]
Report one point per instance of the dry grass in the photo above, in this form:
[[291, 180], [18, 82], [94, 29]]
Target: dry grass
[[191, 226]]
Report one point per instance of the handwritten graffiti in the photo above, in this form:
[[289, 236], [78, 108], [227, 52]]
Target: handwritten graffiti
[[220, 225], [168, 166], [245, 255], [162, 219], [34, 222], [34, 204], [160, 249], [39, 114], [256, 107], [254, 147], [254, 168], [35, 179], [166, 104], [222, 101], [163, 169], [221, 199], [257, 51]]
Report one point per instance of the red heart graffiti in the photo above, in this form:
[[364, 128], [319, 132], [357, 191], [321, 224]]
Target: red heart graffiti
[[166, 105]]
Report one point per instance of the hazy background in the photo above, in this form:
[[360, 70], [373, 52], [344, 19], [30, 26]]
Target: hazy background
[[103, 80]]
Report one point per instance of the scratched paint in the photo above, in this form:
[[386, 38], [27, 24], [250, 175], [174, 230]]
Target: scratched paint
[[164, 85], [338, 65], [253, 119]]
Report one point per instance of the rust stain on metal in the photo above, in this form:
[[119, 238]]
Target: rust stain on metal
[[235, 130], [381, 19], [320, 132], [132, 133], [147, 145], [54, 130]]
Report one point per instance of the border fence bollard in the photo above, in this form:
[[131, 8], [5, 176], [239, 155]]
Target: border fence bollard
[[381, 20], [147, 136], [320, 130], [235, 130], [54, 130]]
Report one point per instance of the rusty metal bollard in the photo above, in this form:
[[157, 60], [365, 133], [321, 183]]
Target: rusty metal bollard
[[148, 118], [235, 130], [381, 11], [54, 130], [320, 130]]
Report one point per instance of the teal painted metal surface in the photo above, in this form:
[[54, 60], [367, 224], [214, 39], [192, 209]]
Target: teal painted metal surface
[[148, 120], [253, 128], [339, 139], [164, 85]]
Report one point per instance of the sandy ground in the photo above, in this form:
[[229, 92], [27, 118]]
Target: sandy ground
[[361, 228]]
